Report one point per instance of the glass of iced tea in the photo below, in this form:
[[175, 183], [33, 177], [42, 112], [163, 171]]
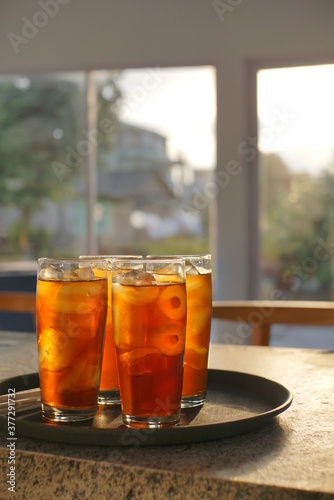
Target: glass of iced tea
[[109, 385], [71, 309], [199, 312], [149, 305]]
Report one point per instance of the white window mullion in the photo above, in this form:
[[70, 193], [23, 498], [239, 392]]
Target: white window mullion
[[91, 161]]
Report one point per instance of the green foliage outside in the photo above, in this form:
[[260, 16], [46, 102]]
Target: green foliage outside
[[297, 211], [29, 115], [40, 118], [36, 239]]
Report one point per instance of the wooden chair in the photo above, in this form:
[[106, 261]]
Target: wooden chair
[[262, 314], [18, 302]]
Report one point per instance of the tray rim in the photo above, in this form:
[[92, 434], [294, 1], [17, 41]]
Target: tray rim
[[181, 434]]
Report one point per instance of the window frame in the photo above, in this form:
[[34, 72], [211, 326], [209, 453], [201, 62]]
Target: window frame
[[252, 68]]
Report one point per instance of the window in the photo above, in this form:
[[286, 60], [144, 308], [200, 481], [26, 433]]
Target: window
[[296, 182], [105, 162], [40, 117]]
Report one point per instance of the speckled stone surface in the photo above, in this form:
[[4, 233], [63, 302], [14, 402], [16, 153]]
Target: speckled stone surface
[[290, 458]]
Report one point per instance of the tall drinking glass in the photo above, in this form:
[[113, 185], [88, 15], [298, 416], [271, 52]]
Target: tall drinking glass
[[149, 314], [71, 308], [109, 385], [199, 312]]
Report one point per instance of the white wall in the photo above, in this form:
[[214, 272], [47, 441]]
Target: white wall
[[86, 34]]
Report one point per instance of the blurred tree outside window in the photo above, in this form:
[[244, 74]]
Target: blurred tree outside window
[[39, 116]]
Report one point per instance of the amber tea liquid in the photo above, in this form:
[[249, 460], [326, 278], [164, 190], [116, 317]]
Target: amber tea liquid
[[149, 329], [71, 319], [199, 305]]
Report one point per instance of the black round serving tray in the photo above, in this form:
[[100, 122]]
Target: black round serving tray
[[236, 403]]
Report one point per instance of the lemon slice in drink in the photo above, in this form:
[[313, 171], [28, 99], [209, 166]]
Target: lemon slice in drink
[[53, 351], [168, 339], [196, 357], [136, 295], [172, 302]]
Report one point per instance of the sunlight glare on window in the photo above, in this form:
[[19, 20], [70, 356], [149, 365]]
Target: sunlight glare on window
[[296, 176]]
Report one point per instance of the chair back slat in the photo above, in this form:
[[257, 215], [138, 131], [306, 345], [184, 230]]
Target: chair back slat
[[262, 314], [19, 302]]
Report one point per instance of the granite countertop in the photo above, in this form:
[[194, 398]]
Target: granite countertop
[[290, 458]]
